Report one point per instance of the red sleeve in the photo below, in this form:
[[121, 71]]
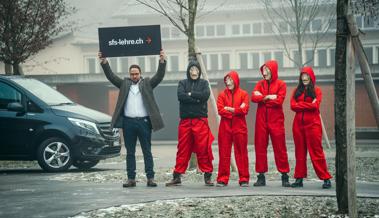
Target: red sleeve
[[245, 109], [307, 106], [257, 98], [281, 95], [220, 107]]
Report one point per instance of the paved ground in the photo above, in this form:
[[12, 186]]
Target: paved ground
[[32, 193]]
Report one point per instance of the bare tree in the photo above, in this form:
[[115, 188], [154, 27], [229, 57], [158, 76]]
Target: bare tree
[[28, 26], [299, 15]]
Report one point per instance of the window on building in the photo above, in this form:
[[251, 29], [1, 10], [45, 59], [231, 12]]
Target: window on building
[[113, 64], [333, 24], [283, 27], [236, 29], [175, 33], [225, 61], [332, 57], [321, 57], [210, 30], [214, 61], [267, 28], [153, 64], [309, 59], [165, 32], [91, 65], [255, 60], [205, 60], [295, 56], [257, 28], [8, 95], [220, 30], [278, 56], [200, 32], [368, 22], [246, 29], [243, 61], [369, 54], [359, 19], [142, 63], [316, 25], [266, 56], [124, 64], [174, 60]]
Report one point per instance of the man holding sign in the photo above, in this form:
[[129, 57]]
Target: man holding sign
[[137, 113]]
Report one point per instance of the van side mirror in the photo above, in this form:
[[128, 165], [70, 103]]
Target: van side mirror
[[15, 106]]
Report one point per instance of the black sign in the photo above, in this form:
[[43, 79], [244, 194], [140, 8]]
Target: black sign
[[130, 41]]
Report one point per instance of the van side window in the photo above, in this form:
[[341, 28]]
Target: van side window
[[8, 95], [32, 107]]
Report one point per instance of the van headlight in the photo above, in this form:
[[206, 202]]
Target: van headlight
[[85, 124]]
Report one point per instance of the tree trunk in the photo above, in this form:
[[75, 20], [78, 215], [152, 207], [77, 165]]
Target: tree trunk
[[192, 4], [17, 69], [340, 107], [8, 69]]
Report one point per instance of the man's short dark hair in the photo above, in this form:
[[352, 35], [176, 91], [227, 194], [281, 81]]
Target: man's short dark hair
[[135, 66]]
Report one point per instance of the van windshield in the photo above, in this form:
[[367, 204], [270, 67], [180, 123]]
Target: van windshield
[[47, 94]]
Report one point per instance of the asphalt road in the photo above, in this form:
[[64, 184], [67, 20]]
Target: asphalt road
[[30, 193]]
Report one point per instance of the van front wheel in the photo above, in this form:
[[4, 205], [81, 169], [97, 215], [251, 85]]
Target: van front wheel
[[54, 155]]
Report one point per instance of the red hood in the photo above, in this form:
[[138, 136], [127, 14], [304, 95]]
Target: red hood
[[309, 71], [273, 66], [234, 75]]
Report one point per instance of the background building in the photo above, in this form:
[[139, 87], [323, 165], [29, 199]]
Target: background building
[[233, 35]]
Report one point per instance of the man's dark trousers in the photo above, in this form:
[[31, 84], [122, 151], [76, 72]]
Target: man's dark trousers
[[138, 127]]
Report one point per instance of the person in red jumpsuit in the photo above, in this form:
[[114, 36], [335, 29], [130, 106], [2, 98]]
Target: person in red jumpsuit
[[233, 106], [269, 93], [194, 134], [307, 132]]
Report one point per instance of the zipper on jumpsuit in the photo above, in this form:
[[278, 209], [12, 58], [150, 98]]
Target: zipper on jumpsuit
[[302, 116], [268, 92]]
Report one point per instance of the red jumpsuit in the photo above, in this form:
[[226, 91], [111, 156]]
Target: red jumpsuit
[[233, 129], [270, 121], [307, 132]]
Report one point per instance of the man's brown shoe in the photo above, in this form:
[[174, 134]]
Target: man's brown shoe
[[130, 183], [151, 183]]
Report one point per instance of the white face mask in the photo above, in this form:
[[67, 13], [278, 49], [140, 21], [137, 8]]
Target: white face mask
[[267, 73], [194, 73], [229, 83], [305, 79]]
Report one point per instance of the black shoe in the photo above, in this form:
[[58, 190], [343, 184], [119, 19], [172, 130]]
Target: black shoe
[[298, 183], [221, 184], [244, 184], [261, 180], [285, 182], [175, 180], [327, 184], [151, 183], [207, 179], [130, 183]]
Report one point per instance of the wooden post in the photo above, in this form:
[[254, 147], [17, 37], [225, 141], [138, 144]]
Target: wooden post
[[350, 131], [212, 98], [324, 134], [365, 68]]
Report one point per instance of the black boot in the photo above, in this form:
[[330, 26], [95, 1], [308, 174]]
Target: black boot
[[298, 183], [327, 184], [285, 182], [261, 180], [175, 180], [207, 179]]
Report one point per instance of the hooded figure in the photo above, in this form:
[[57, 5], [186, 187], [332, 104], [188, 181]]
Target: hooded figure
[[233, 106], [307, 132], [269, 93], [194, 134]]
